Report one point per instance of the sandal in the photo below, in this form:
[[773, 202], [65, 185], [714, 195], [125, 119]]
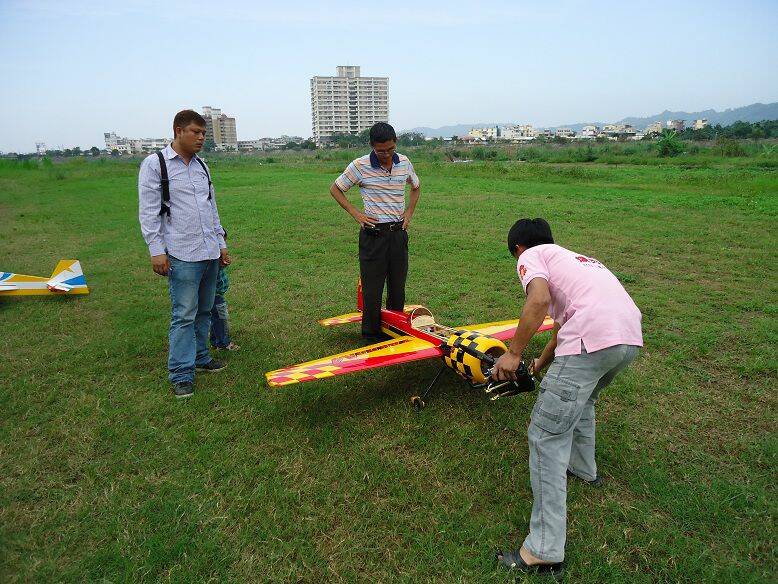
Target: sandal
[[513, 560]]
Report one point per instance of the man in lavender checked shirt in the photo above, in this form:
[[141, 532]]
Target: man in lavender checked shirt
[[186, 244], [596, 335]]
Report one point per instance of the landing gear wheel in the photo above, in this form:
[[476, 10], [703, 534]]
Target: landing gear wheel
[[417, 402]]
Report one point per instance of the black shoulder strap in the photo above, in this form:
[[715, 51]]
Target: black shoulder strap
[[206, 174], [165, 205]]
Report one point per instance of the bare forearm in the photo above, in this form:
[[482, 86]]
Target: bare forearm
[[548, 351], [532, 317], [414, 196], [342, 200]]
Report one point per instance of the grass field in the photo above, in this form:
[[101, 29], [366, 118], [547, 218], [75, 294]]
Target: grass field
[[105, 477]]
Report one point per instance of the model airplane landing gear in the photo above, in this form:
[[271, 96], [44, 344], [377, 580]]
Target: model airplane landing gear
[[418, 401]]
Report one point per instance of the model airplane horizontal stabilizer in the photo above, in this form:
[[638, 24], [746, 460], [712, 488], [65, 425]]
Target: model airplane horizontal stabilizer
[[67, 278]]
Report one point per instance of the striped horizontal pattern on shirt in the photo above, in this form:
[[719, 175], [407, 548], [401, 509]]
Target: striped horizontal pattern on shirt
[[383, 191]]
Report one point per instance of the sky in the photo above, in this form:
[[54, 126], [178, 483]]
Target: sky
[[73, 70]]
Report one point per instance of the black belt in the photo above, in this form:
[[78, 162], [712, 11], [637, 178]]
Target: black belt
[[393, 226]]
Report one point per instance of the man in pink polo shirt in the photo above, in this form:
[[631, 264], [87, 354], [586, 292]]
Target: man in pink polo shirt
[[596, 335]]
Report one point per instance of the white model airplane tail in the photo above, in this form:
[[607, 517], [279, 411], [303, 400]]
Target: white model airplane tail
[[67, 278]]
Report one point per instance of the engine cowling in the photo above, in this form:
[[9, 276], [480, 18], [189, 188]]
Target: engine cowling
[[472, 354]]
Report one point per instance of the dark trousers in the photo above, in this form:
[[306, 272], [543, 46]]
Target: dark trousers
[[220, 323], [383, 256]]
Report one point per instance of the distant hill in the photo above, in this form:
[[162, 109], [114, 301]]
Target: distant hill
[[756, 112], [455, 130]]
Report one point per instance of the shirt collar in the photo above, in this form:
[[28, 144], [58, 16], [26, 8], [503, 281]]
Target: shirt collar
[[376, 164], [169, 153]]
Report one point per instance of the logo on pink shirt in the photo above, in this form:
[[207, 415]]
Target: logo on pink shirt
[[585, 260]]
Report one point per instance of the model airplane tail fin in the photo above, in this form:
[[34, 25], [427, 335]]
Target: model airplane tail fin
[[73, 266], [359, 294], [68, 277]]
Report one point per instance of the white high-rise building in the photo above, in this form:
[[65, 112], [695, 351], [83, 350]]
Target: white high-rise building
[[347, 103], [220, 128]]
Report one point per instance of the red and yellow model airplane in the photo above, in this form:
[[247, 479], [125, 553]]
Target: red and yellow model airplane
[[470, 351]]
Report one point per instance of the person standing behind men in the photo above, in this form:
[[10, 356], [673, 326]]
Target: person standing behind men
[[186, 244], [597, 334], [383, 235]]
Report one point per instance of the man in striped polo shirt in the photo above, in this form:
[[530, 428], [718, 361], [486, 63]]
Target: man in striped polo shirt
[[383, 235]]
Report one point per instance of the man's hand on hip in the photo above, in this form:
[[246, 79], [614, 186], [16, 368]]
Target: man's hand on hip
[[407, 218], [160, 264], [225, 259], [364, 220]]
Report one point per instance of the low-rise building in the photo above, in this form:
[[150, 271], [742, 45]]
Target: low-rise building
[[655, 128], [588, 132], [269, 143], [487, 133], [248, 145], [676, 125], [700, 124], [124, 145], [618, 131], [564, 133], [517, 132]]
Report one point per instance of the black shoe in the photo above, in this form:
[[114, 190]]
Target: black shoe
[[512, 560], [183, 389], [212, 366], [596, 483]]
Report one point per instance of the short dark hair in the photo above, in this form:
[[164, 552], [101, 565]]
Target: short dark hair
[[529, 233], [382, 132], [186, 117]]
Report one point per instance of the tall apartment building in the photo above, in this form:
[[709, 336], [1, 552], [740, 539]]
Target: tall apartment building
[[220, 128], [347, 103]]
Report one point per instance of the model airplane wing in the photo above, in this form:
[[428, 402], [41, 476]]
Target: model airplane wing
[[399, 350], [505, 329]]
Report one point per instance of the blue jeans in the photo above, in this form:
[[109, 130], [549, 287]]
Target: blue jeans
[[220, 323], [561, 437], [192, 288]]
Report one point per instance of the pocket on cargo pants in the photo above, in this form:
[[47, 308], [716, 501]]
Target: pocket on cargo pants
[[556, 407]]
